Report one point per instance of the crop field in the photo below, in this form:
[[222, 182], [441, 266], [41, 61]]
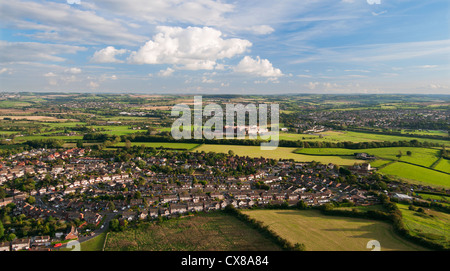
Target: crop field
[[431, 225], [279, 153], [202, 232], [416, 174], [331, 233]]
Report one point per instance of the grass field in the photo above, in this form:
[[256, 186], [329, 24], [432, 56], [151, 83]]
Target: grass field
[[279, 153], [416, 174], [431, 225], [443, 165], [202, 232], [95, 244], [330, 233]]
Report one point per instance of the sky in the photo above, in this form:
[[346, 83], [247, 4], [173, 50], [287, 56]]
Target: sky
[[225, 47]]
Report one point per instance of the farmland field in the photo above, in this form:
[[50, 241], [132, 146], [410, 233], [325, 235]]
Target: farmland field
[[279, 153], [203, 232], [330, 233]]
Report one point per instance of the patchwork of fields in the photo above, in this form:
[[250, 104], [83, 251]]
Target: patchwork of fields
[[415, 168]]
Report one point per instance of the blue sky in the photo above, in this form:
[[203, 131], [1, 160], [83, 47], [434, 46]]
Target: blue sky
[[211, 47]]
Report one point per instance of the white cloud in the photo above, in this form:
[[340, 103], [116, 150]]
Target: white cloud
[[379, 13], [198, 12], [262, 29], [258, 67], [73, 70], [50, 74], [3, 70], [191, 48], [93, 84], [372, 2], [108, 55], [167, 72]]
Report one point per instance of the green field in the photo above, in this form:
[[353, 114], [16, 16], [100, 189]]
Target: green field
[[331, 233], [418, 175], [203, 232], [95, 244], [432, 225], [443, 165], [279, 153]]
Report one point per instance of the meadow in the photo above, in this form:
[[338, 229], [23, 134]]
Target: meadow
[[331, 233], [202, 232], [431, 224]]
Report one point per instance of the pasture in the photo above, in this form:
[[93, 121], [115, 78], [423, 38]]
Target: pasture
[[331, 233]]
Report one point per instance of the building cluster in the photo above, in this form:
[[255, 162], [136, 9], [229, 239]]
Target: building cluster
[[86, 188]]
